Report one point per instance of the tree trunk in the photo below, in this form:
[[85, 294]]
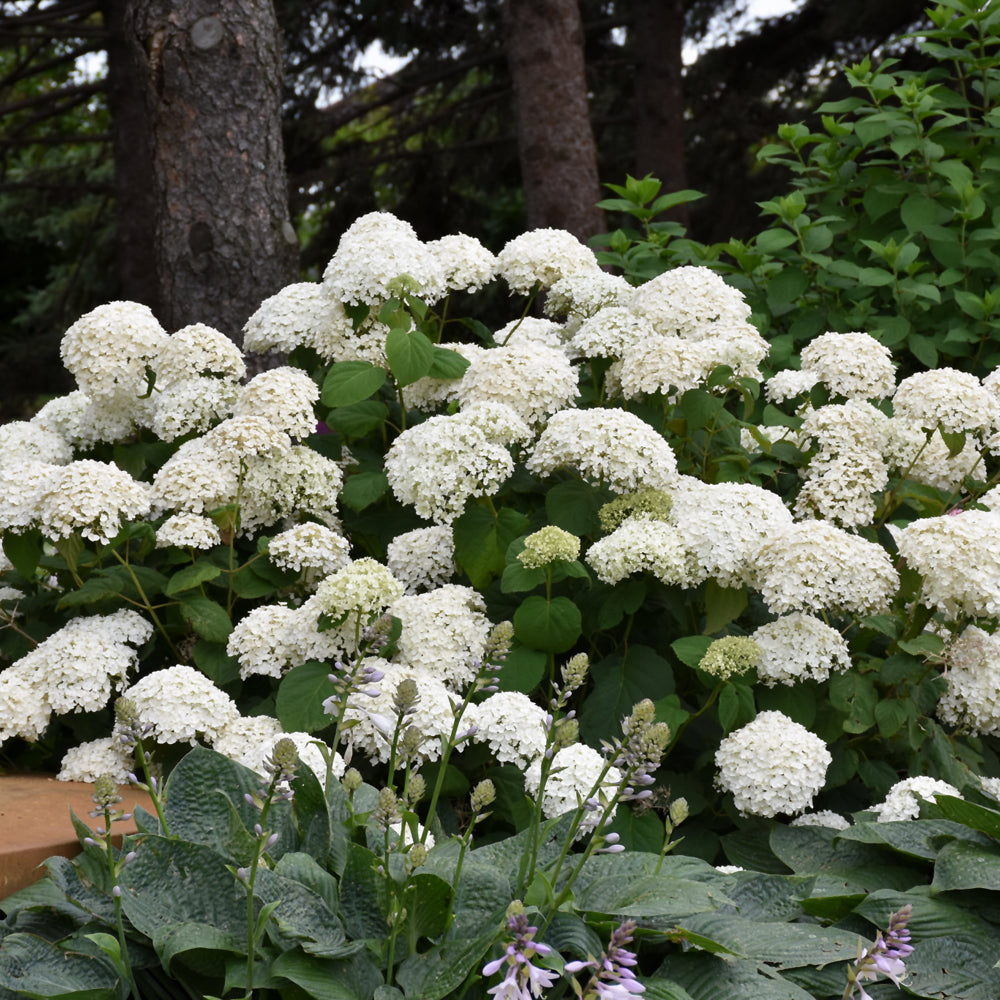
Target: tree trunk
[[555, 139], [658, 27], [212, 85]]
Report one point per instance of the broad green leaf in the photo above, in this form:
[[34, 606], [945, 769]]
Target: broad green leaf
[[349, 382], [969, 814], [23, 550], [191, 576], [551, 626], [215, 663], [185, 938], [301, 694], [359, 418], [208, 618], [962, 865], [574, 506], [710, 977], [518, 578], [410, 355], [691, 649], [39, 968], [522, 670], [736, 706], [722, 605], [362, 489], [447, 364], [656, 898], [354, 978], [481, 540]]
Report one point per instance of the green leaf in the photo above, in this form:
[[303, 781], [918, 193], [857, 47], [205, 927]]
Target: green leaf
[[518, 578], [722, 605], [691, 649], [354, 978], [208, 618], [301, 693], [38, 968], [574, 506], [24, 551], [349, 382], [523, 669], [552, 626], [481, 540], [736, 706], [447, 364], [358, 419], [362, 489], [410, 355], [774, 239], [215, 663], [191, 576], [975, 816], [184, 938]]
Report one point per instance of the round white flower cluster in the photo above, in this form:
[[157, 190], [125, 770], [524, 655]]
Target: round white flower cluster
[[584, 294], [21, 490], [182, 705], [533, 380], [686, 301], [246, 735], [611, 445], [723, 526], [910, 454], [531, 330], [310, 548], [730, 656], [309, 751], [188, 531], [300, 315], [799, 647], [466, 263], [191, 404], [444, 633], [437, 465], [244, 436], [513, 726], [272, 638], [22, 442], [374, 719], [852, 364], [823, 818], [194, 480], [76, 669], [422, 559], [107, 350], [361, 589], [789, 384], [903, 800], [816, 566], [610, 332], [642, 544], [82, 422], [576, 770], [958, 556], [378, 257], [299, 482], [946, 397], [91, 497], [284, 396], [542, 257], [772, 766], [547, 545], [198, 351], [88, 761], [972, 701]]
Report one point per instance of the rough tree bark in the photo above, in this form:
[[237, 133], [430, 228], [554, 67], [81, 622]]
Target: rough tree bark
[[658, 27], [212, 79], [555, 138]]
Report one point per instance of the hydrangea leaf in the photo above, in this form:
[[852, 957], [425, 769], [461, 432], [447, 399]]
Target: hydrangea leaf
[[410, 355], [191, 576], [350, 382], [208, 618], [552, 626], [300, 698]]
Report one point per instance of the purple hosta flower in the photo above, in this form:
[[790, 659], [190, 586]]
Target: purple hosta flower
[[523, 980], [885, 957], [613, 978]]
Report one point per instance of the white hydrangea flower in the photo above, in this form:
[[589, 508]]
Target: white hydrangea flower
[[499, 422], [192, 404], [576, 769], [687, 301], [284, 396], [611, 445], [361, 589], [513, 726], [816, 566], [182, 705], [958, 556], [93, 498], [466, 263], [299, 482], [799, 647], [428, 393], [21, 490], [664, 363], [772, 766], [584, 294], [310, 548], [437, 465], [79, 666], [195, 480], [543, 256], [723, 526], [22, 442], [188, 531], [267, 640], [972, 701], [823, 818], [789, 384], [730, 656], [422, 559], [547, 545], [24, 705], [375, 719], [308, 749], [611, 332], [851, 364], [107, 349], [378, 257], [903, 800], [444, 633], [957, 401], [643, 544], [729, 869], [300, 315], [533, 380], [991, 786], [246, 735], [83, 422], [198, 351], [88, 761], [910, 454], [245, 436], [529, 329]]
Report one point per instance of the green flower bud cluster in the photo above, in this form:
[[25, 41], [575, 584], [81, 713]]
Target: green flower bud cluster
[[549, 545], [731, 656], [650, 503]]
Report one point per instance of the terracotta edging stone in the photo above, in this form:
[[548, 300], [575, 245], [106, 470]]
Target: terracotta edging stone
[[35, 823]]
